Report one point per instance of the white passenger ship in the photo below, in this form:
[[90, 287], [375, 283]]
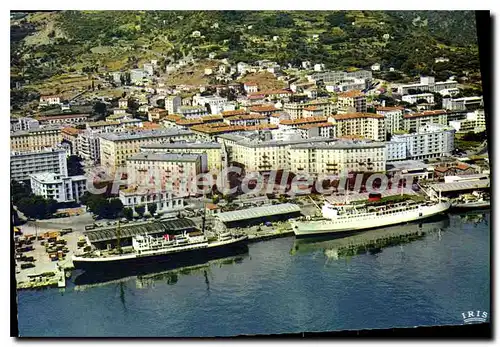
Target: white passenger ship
[[350, 218]]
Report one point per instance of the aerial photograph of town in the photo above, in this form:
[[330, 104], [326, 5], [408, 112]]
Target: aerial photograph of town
[[244, 173]]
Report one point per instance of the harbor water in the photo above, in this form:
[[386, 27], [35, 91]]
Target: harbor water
[[284, 285]]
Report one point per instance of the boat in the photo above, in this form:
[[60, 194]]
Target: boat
[[147, 249], [476, 200], [167, 251], [350, 218]]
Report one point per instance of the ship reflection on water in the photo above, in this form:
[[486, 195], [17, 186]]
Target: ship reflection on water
[[371, 241], [146, 276]]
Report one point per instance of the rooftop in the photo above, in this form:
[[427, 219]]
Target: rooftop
[[264, 108], [424, 114], [307, 120], [63, 116], [174, 157], [170, 132], [182, 145], [357, 115], [35, 130], [458, 186], [340, 144], [257, 212], [351, 94], [133, 229]]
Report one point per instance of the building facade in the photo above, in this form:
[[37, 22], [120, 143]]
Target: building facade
[[24, 164], [35, 139], [366, 125], [58, 187]]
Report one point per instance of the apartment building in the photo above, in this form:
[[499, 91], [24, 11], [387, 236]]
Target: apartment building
[[191, 112], [216, 103], [172, 104], [250, 87], [393, 117], [103, 126], [299, 122], [35, 139], [247, 120], [115, 148], [64, 119], [256, 155], [474, 122], [413, 98], [215, 157], [156, 114], [430, 141], [427, 84], [366, 125], [462, 104], [70, 135], [23, 123], [296, 109], [165, 171], [413, 121], [58, 187], [351, 101], [326, 129], [396, 150], [89, 146], [346, 85], [24, 164], [338, 76], [336, 157]]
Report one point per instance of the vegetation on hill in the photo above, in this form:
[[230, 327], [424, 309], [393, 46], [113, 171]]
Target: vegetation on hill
[[99, 41]]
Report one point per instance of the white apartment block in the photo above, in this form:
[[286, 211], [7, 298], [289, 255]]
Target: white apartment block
[[165, 171], [413, 121], [338, 76], [431, 141], [474, 122], [64, 119], [337, 157], [365, 125], [326, 129], [462, 104], [250, 87], [216, 103], [427, 84], [172, 104], [23, 123], [393, 117], [296, 109], [412, 99], [24, 164], [88, 146], [58, 187], [396, 150]]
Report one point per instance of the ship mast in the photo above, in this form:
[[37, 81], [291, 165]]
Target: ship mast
[[118, 238]]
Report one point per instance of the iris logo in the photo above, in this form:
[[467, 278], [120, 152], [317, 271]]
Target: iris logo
[[474, 316]]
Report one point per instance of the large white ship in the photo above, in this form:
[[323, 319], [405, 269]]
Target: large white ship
[[344, 218]]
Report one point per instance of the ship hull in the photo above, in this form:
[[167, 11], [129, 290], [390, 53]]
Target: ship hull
[[135, 264], [325, 226]]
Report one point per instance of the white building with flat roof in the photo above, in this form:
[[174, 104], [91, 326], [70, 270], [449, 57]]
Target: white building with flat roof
[[58, 187], [24, 164], [475, 122], [413, 98], [430, 141]]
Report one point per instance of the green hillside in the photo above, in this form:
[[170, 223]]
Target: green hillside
[[44, 45]]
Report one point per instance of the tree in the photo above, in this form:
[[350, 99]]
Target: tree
[[160, 103], [128, 213], [152, 208], [74, 164]]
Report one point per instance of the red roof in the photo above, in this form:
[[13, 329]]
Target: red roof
[[351, 94], [316, 125], [303, 120], [264, 108], [425, 114]]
